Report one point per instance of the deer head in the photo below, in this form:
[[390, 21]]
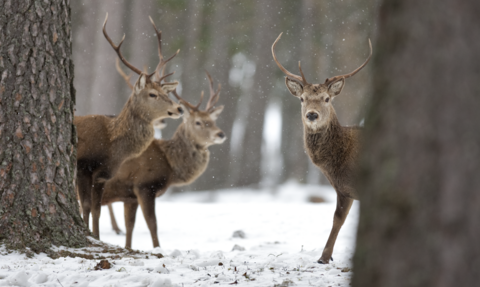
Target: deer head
[[317, 109], [201, 124], [150, 95]]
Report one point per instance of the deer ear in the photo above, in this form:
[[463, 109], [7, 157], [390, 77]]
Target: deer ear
[[169, 87], [335, 88], [216, 112], [141, 83], [294, 87]]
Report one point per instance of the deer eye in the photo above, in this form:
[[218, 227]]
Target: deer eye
[[326, 100], [152, 95], [197, 123], [301, 100]]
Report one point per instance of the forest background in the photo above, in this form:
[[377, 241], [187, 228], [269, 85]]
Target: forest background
[[231, 39]]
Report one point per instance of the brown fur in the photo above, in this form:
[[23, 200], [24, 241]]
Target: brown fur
[[331, 147], [105, 142], [164, 163]]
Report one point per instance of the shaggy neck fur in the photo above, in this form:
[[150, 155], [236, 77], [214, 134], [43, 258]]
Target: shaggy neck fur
[[132, 131], [187, 158]]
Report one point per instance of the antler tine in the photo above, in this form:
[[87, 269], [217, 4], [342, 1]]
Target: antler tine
[[122, 73], [291, 75], [163, 77], [213, 94], [333, 79], [117, 48], [183, 101], [162, 62], [200, 102]]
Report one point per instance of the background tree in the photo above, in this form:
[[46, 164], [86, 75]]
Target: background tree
[[38, 205], [418, 183]]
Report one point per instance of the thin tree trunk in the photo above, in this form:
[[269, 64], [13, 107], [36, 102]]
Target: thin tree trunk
[[38, 206], [107, 94], [84, 28], [418, 181], [218, 65], [190, 71], [250, 163]]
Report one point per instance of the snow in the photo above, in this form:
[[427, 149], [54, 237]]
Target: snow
[[284, 236]]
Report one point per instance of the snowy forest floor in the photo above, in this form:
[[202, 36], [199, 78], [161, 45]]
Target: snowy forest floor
[[284, 236]]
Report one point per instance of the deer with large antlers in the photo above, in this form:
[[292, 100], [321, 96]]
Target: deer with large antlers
[[105, 142], [331, 147], [175, 162]]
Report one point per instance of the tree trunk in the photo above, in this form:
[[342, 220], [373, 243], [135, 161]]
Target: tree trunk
[[38, 206], [250, 159], [418, 181], [218, 65]]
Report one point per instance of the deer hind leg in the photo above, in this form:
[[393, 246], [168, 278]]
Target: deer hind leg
[[130, 210], [84, 189], [341, 212], [113, 220], [146, 199]]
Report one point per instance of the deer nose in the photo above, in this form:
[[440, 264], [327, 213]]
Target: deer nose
[[221, 135], [180, 110], [312, 116]]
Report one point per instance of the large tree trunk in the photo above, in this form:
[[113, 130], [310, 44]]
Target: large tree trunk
[[38, 206], [418, 181]]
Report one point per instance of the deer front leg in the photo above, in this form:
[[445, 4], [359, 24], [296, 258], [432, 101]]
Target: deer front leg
[[130, 210], [112, 219], [147, 201], [97, 194], [84, 189], [343, 207]]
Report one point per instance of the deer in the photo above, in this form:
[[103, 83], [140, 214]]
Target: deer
[[331, 147], [175, 162], [104, 142], [158, 124]]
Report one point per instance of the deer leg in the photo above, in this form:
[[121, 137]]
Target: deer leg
[[130, 210], [112, 219], [341, 212], [84, 189], [97, 193], [147, 201]]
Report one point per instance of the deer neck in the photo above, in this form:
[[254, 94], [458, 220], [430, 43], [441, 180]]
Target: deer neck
[[132, 129], [187, 158], [323, 144]]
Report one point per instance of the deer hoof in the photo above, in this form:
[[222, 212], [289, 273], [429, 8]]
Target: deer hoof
[[321, 261]]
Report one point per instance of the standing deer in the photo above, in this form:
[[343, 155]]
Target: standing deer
[[178, 161], [158, 124], [105, 142], [331, 147]]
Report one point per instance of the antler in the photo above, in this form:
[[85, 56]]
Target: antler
[[117, 48], [213, 94], [333, 79], [122, 73], [192, 107], [291, 75], [162, 62]]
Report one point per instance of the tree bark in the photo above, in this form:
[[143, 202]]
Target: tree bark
[[38, 206], [418, 181]]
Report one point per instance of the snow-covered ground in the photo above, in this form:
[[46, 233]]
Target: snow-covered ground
[[284, 237]]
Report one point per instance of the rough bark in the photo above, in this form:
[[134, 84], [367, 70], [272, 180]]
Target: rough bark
[[38, 206], [418, 182]]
